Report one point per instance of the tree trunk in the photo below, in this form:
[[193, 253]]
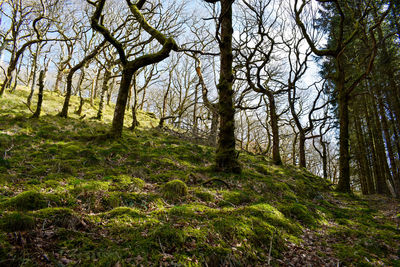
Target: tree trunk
[[392, 162], [17, 74], [361, 156], [226, 153], [57, 82], [194, 115], [34, 62], [81, 99], [302, 151], [119, 113], [276, 156], [344, 160], [68, 93], [324, 159], [135, 122], [296, 135], [214, 128], [93, 94], [40, 95], [381, 186], [106, 78]]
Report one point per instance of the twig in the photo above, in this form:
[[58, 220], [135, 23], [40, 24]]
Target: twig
[[29, 107], [162, 248], [8, 150], [270, 249]]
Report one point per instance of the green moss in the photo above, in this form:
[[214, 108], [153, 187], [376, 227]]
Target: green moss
[[235, 198], [61, 217], [91, 186], [16, 221], [126, 183], [123, 211], [168, 236], [174, 189], [203, 194], [110, 200], [300, 213], [28, 200]]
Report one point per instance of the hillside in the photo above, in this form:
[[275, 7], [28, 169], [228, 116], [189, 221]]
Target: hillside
[[70, 197]]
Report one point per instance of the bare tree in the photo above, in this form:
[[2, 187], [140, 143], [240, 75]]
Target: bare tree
[[129, 67]]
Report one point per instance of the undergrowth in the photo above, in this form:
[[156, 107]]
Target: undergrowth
[[76, 198]]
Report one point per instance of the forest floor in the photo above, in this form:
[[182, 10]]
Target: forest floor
[[71, 197]]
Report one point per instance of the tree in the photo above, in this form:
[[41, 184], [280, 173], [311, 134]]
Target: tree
[[83, 62], [226, 156], [257, 57], [129, 67], [23, 15], [341, 37]]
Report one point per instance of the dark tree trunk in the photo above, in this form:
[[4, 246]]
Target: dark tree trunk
[[296, 136], [214, 128], [226, 154], [276, 156], [68, 93], [135, 121], [381, 186], [57, 82], [93, 93], [122, 99], [17, 74], [361, 156], [393, 168], [79, 89], [302, 151], [107, 76], [376, 167], [40, 95], [194, 115], [324, 159], [344, 160], [34, 62]]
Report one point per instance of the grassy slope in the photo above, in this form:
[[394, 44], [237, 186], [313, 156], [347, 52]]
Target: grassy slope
[[69, 197]]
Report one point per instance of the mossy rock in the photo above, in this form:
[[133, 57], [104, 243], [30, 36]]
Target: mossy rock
[[61, 217], [126, 183], [299, 212], [204, 195], [174, 189], [90, 186], [168, 236], [28, 200], [235, 198], [16, 221], [110, 200], [123, 211]]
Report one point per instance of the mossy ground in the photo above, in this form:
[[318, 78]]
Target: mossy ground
[[81, 199]]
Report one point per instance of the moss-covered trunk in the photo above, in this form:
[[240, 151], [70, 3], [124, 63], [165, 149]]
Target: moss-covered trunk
[[68, 93], [34, 62], [226, 154], [40, 95], [122, 99]]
